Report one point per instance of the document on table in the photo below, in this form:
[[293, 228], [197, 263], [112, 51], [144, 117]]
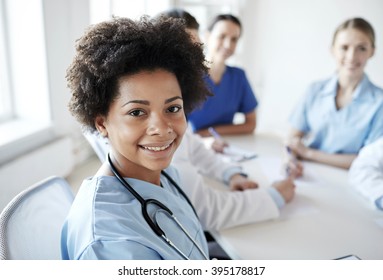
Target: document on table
[[238, 154]]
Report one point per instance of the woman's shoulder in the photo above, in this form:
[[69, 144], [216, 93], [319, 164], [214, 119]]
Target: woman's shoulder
[[235, 70], [324, 83]]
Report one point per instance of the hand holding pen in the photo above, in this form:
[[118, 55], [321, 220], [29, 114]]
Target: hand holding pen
[[219, 143], [294, 167]]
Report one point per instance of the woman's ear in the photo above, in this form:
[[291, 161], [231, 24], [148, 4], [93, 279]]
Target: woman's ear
[[100, 125]]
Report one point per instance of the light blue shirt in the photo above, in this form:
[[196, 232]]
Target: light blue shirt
[[106, 222], [340, 131]]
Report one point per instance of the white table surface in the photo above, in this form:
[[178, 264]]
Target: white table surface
[[326, 219]]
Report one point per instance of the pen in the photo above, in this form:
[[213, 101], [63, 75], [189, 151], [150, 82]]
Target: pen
[[214, 133], [291, 158]]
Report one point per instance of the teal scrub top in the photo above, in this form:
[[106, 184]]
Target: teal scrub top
[[106, 222], [343, 131]]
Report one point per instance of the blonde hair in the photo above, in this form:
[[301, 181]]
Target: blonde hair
[[359, 24]]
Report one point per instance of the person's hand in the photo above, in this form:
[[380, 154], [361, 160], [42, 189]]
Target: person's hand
[[286, 188], [298, 149], [294, 150], [218, 145], [293, 168], [240, 183]]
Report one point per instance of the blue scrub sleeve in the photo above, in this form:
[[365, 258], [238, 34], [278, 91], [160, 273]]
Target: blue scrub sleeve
[[248, 102], [298, 117]]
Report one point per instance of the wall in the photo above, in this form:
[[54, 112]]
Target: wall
[[287, 46], [65, 21]]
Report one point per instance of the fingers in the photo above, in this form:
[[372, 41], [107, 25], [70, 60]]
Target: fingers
[[219, 145], [294, 169], [240, 183], [286, 188]]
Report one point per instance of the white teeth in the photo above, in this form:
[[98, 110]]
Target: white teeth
[[156, 149]]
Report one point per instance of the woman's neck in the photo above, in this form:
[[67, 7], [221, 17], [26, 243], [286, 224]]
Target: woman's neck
[[348, 84], [153, 177], [216, 71], [345, 91]]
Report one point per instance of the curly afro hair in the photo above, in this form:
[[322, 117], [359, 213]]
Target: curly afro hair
[[122, 46]]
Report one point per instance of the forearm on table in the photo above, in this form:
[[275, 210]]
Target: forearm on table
[[230, 129], [337, 160]]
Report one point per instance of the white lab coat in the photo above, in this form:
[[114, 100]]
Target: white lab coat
[[366, 172], [218, 209]]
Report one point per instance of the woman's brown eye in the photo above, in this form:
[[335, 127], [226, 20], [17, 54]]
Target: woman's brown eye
[[136, 113], [174, 109]]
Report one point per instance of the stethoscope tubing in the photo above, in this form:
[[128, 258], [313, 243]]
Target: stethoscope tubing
[[144, 205]]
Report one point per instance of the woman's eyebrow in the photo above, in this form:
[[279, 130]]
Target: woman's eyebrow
[[172, 99], [145, 102]]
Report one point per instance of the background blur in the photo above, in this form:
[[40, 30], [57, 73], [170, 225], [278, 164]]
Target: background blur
[[285, 45]]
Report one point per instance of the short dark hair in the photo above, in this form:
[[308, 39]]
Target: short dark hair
[[121, 46], [229, 17], [190, 21]]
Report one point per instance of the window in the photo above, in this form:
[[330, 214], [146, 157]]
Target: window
[[25, 108], [5, 97], [102, 10], [202, 10]]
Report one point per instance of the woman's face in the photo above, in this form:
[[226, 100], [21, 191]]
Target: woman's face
[[145, 123], [222, 40], [351, 49]]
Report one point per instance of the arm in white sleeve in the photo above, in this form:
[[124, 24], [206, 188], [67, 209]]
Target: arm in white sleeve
[[205, 160], [219, 209], [366, 173]]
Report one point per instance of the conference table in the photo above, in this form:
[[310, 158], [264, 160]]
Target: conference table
[[327, 219]]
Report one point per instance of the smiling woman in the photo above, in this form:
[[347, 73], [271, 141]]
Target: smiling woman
[[145, 123], [343, 113], [133, 82]]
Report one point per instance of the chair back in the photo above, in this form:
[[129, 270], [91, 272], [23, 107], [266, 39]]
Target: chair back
[[31, 223]]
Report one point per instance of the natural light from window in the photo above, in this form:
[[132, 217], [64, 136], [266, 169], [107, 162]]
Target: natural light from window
[[25, 105]]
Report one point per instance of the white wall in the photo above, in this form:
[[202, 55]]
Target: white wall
[[287, 46]]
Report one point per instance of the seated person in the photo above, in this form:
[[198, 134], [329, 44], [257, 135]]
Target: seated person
[[231, 89], [134, 82], [219, 209], [366, 173], [341, 114]]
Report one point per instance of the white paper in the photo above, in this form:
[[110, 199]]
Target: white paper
[[238, 154]]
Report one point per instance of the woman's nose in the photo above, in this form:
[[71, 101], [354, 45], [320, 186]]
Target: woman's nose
[[159, 126], [227, 43], [351, 54]]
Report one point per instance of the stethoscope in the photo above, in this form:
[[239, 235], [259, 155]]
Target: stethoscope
[[153, 224]]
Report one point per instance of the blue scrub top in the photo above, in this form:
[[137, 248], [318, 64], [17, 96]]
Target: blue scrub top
[[340, 131], [106, 222], [232, 95]]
